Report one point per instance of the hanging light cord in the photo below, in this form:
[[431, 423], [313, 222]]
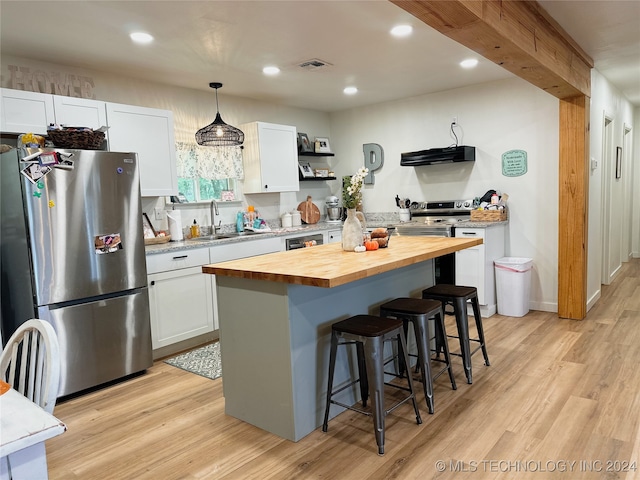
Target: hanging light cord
[[454, 124]]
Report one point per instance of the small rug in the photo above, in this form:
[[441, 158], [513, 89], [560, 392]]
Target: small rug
[[204, 361]]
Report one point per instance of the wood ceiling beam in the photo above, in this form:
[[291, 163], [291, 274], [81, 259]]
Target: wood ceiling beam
[[521, 36], [518, 35]]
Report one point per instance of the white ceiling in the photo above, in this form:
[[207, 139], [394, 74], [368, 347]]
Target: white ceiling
[[197, 42]]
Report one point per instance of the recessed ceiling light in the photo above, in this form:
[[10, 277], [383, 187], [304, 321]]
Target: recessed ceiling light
[[271, 70], [469, 63], [350, 90], [401, 30], [141, 37]]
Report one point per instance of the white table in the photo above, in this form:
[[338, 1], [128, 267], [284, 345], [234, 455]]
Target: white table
[[24, 427]]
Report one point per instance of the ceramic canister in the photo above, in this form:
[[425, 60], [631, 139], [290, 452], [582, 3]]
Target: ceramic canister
[[296, 220]]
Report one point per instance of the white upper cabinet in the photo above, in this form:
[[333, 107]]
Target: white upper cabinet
[[79, 112], [149, 133], [270, 158], [145, 131], [24, 112]]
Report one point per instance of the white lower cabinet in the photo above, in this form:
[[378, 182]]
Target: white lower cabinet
[[474, 266], [181, 305], [334, 236], [181, 297]]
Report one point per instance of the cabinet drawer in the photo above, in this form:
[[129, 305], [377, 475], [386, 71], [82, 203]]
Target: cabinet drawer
[[164, 262], [470, 232]]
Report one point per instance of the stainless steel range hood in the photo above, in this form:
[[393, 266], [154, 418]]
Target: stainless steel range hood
[[435, 156]]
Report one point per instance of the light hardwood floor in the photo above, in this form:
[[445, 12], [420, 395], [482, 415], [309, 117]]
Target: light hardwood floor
[[561, 399]]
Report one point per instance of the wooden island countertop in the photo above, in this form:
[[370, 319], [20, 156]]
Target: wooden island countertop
[[329, 266]]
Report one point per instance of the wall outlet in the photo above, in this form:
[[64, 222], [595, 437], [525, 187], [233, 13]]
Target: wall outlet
[[159, 213]]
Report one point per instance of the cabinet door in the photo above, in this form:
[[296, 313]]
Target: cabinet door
[[24, 112], [149, 133], [80, 112], [470, 270], [181, 305], [270, 158], [335, 236]]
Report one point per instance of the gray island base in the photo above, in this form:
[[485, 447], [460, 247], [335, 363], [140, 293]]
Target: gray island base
[[275, 332]]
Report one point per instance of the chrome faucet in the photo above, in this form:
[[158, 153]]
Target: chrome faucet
[[213, 207]]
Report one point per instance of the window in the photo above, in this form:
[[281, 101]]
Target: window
[[205, 172], [202, 190]]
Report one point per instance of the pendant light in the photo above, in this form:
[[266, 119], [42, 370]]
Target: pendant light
[[218, 133]]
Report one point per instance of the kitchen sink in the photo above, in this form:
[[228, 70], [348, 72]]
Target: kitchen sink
[[208, 238], [220, 236]]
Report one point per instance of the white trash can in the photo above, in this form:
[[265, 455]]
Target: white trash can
[[513, 285]]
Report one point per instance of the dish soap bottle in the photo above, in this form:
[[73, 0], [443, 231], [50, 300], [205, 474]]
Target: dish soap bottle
[[195, 229], [240, 222]]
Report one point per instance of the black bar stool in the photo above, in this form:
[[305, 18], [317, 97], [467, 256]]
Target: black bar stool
[[418, 312], [369, 333], [457, 296]]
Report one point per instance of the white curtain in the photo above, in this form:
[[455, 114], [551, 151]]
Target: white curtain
[[211, 163]]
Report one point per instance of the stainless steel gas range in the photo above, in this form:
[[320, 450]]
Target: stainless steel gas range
[[437, 219]]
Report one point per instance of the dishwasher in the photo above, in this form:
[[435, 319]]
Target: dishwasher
[[303, 241]]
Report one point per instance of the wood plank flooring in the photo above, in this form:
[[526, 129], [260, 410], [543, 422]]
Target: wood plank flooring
[[561, 399]]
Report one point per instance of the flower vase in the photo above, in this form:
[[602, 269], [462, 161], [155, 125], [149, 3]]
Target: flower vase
[[352, 230]]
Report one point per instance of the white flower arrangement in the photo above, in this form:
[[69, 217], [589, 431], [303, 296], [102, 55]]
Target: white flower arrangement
[[352, 191]]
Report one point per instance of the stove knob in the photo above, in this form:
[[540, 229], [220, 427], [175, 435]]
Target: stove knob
[[414, 205], [467, 204], [458, 204], [423, 205]]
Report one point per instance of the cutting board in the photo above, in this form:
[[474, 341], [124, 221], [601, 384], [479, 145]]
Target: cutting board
[[309, 212]]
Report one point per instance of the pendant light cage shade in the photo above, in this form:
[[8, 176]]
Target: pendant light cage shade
[[218, 133]]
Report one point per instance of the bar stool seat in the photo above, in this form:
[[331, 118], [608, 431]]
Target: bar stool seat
[[368, 333], [418, 312], [458, 295]]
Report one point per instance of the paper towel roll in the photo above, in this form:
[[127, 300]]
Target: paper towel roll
[[175, 225]]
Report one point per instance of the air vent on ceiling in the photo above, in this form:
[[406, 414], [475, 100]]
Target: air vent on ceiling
[[314, 64]]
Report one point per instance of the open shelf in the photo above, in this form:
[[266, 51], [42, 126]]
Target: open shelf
[[311, 179], [314, 154]]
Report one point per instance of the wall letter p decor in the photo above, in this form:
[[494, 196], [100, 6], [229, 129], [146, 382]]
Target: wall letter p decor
[[373, 160]]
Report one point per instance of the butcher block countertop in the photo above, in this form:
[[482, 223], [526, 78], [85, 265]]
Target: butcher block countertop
[[329, 266]]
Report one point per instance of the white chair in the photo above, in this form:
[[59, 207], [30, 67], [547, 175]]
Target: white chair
[[30, 363]]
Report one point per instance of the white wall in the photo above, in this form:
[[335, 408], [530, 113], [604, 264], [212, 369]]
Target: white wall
[[494, 117], [614, 211]]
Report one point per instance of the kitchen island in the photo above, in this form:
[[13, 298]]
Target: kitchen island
[[276, 313]]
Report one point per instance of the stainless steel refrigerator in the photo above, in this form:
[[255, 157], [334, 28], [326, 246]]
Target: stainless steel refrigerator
[[72, 253]]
